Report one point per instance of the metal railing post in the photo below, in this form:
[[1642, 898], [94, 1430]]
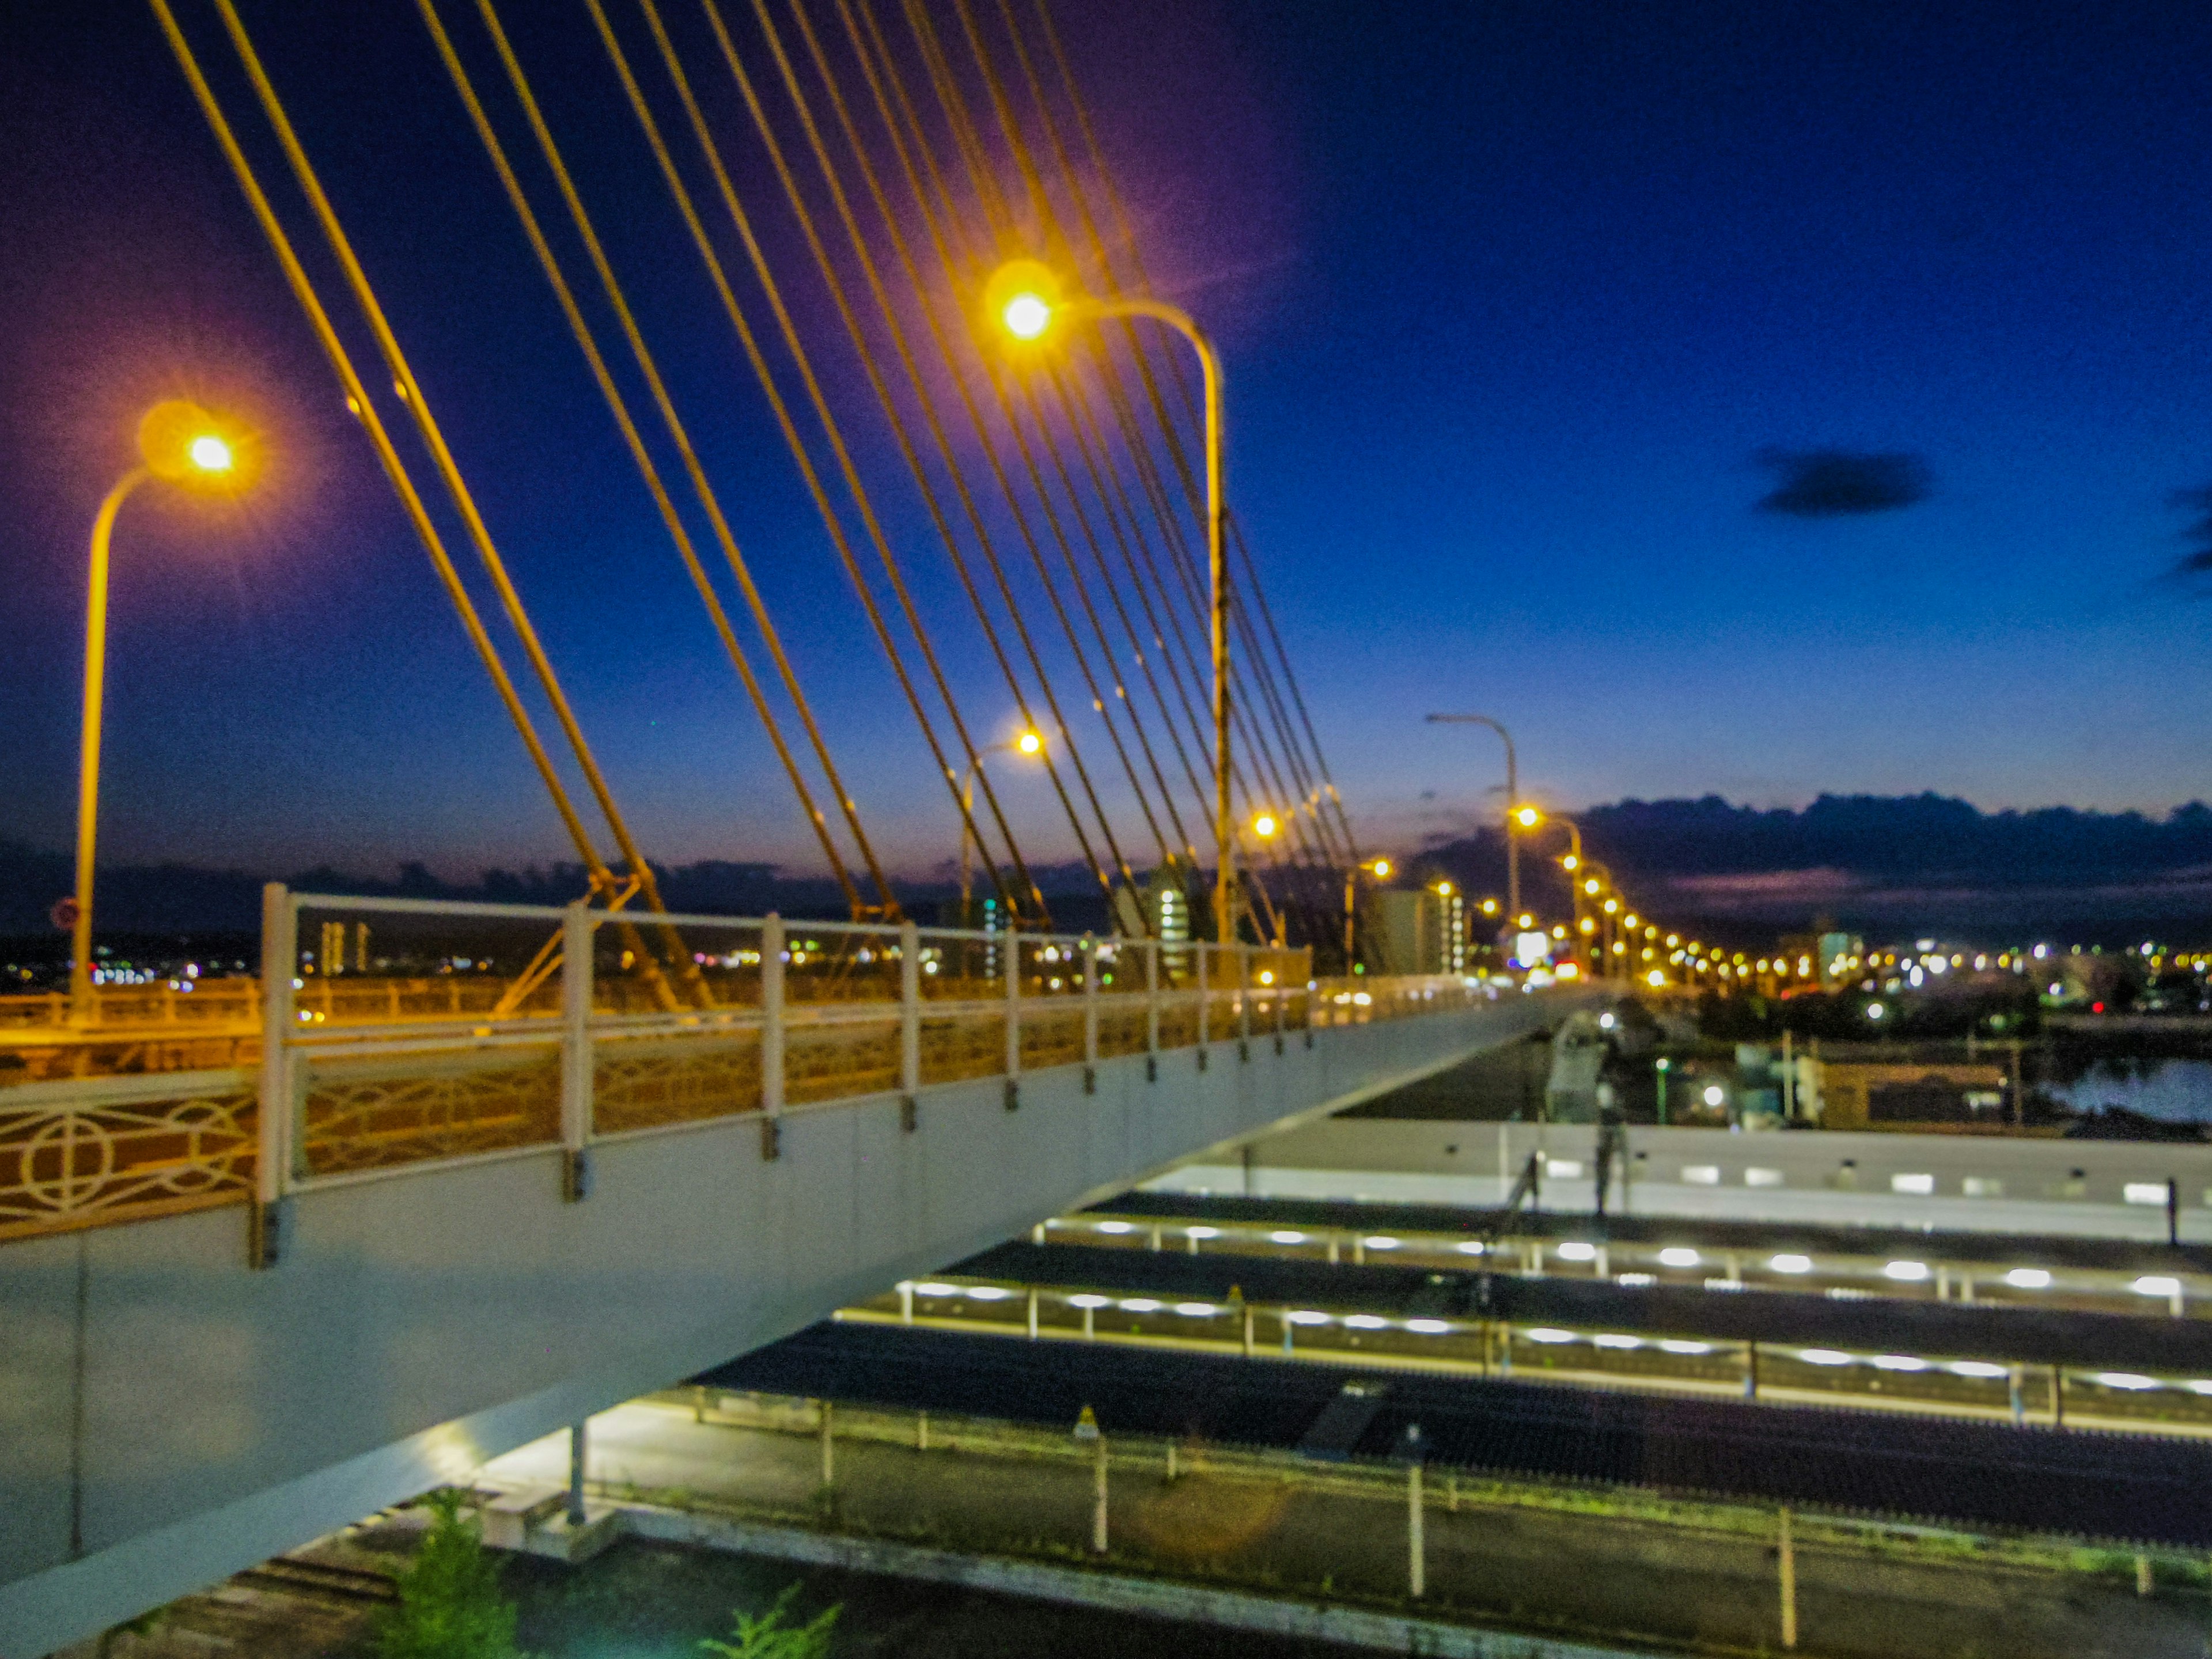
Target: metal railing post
[[909, 1019], [1013, 1019], [1204, 1013], [771, 1052], [1090, 948], [1152, 1010], [278, 1132], [1243, 959], [577, 930]]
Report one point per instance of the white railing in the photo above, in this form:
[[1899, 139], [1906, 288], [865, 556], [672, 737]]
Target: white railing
[[487, 1030]]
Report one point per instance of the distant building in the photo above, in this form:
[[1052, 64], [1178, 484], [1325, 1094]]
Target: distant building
[[1407, 933]]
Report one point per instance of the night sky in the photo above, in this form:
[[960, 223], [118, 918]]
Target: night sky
[[1755, 401]]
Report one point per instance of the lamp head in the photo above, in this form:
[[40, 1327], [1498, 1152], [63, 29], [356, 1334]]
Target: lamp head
[[1022, 297], [1030, 743], [1382, 869], [1264, 826], [1571, 862], [182, 443], [1527, 817]]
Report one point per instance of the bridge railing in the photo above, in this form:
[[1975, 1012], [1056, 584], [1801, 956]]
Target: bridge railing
[[392, 1034]]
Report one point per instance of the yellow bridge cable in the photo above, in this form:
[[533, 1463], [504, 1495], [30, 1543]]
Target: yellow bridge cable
[[449, 471], [939, 229], [831, 519], [968, 144], [1263, 766], [651, 474], [603, 880], [836, 286], [927, 399], [1127, 235], [1080, 418]]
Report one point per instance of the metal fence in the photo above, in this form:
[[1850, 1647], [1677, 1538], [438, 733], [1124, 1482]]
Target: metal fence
[[388, 1034]]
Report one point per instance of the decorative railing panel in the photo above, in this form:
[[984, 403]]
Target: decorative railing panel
[[645, 1082], [84, 1153], [372, 1113]]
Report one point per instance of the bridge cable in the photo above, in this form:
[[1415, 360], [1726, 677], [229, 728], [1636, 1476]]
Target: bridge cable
[[854, 484], [1140, 451], [978, 166], [1118, 208], [903, 435], [940, 228], [448, 469], [927, 400], [1026, 450], [654, 482]]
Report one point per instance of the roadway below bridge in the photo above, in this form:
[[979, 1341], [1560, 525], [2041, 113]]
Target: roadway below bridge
[[169, 1414], [1523, 1563], [2104, 1487]]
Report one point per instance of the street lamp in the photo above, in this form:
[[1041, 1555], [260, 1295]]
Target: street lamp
[[1378, 868], [1025, 298], [1028, 743], [1512, 799], [181, 443]]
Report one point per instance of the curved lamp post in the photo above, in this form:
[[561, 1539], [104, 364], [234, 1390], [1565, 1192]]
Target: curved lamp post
[[1025, 299], [181, 443], [1512, 800]]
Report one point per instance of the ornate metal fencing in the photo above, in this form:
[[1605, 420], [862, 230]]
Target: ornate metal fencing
[[479, 1030]]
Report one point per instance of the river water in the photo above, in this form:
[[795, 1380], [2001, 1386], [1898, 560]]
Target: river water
[[2172, 1091]]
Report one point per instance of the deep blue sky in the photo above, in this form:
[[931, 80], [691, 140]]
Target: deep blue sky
[[1513, 297]]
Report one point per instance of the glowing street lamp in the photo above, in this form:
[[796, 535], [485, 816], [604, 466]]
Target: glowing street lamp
[[1025, 299], [1266, 826], [1029, 742], [178, 443]]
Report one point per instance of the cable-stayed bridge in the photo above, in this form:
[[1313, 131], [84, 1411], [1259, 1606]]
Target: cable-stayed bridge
[[276, 1250]]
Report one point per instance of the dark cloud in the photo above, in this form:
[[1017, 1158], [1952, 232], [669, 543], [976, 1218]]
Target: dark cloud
[[1828, 484], [2198, 561]]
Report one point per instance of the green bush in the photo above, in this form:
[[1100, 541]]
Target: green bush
[[450, 1605], [768, 1637]]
